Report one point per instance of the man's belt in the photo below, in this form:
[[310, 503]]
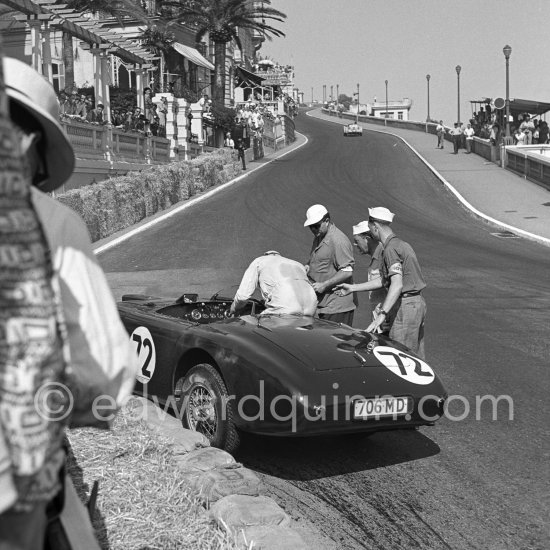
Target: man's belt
[[410, 293]]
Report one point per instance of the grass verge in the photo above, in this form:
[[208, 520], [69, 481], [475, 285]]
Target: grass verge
[[143, 503]]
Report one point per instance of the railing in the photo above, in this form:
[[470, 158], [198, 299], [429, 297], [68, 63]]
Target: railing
[[484, 148], [530, 161], [93, 141], [86, 139]]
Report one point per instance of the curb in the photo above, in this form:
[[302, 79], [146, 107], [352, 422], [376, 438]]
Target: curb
[[531, 236], [231, 494]]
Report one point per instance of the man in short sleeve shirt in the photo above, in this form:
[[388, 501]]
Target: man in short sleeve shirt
[[330, 263], [404, 305], [368, 245]]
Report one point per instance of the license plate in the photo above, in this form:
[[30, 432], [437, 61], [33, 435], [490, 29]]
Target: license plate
[[381, 406]]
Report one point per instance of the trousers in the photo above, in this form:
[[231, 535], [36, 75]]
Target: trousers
[[407, 326]]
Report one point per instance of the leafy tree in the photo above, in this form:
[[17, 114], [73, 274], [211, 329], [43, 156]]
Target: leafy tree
[[221, 19], [116, 8]]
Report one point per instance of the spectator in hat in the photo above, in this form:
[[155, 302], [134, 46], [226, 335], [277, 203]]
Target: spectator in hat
[[330, 263], [404, 306], [100, 360], [368, 245], [283, 283]]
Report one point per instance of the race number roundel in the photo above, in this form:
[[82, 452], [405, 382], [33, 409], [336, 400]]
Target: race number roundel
[[410, 368], [145, 349]]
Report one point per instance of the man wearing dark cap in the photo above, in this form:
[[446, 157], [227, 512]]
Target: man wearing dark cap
[[404, 306], [99, 359], [330, 263]]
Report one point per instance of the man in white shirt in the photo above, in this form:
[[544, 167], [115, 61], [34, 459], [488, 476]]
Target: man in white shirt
[[283, 283], [469, 135]]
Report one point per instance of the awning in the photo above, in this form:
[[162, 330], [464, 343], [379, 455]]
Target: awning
[[249, 78], [520, 106], [193, 55], [529, 106]]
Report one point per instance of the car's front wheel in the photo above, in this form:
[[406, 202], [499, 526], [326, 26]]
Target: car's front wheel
[[205, 407]]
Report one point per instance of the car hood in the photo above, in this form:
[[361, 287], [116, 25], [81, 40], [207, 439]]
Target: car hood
[[319, 344]]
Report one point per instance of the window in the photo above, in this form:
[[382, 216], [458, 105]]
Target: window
[[400, 115], [58, 77]]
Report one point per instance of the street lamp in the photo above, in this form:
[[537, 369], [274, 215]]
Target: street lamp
[[358, 105], [337, 94], [386, 115], [507, 50], [428, 82], [458, 69]]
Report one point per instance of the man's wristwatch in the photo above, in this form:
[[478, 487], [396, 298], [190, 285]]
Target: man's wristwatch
[[382, 312]]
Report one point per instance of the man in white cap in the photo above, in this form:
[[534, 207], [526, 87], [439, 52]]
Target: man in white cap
[[99, 358], [330, 263], [368, 245], [283, 283], [404, 306]]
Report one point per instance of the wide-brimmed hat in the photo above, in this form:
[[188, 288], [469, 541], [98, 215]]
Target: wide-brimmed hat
[[315, 214], [36, 95]]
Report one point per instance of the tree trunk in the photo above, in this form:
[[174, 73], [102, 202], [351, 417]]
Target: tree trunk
[[68, 60], [219, 72]]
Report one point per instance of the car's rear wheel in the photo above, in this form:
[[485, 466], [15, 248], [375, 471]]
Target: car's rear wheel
[[205, 407]]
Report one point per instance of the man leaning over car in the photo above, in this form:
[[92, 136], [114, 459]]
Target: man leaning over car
[[283, 283]]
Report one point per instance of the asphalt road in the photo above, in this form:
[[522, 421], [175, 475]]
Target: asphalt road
[[471, 481]]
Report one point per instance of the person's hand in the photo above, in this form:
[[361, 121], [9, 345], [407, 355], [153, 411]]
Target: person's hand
[[232, 310], [343, 289], [378, 319], [319, 287]]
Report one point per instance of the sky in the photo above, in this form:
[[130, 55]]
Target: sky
[[365, 42]]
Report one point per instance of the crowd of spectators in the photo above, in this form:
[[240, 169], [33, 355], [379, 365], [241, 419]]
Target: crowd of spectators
[[524, 129], [80, 107]]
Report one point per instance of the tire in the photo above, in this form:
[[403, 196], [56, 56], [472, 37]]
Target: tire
[[203, 399]]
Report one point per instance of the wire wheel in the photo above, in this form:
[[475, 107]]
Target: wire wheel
[[201, 412], [206, 407]]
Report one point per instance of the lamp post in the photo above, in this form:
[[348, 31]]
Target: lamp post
[[458, 69], [507, 50], [358, 104], [337, 95], [386, 114], [428, 83], [332, 93]]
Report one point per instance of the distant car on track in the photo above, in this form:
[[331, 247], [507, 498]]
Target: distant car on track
[[274, 375], [353, 129]]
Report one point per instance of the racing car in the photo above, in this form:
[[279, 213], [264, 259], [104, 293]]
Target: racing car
[[353, 129], [271, 374]]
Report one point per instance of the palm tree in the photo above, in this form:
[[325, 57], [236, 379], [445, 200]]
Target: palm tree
[[118, 9], [221, 19]]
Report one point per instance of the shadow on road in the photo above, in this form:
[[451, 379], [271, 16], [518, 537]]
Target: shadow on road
[[318, 457]]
